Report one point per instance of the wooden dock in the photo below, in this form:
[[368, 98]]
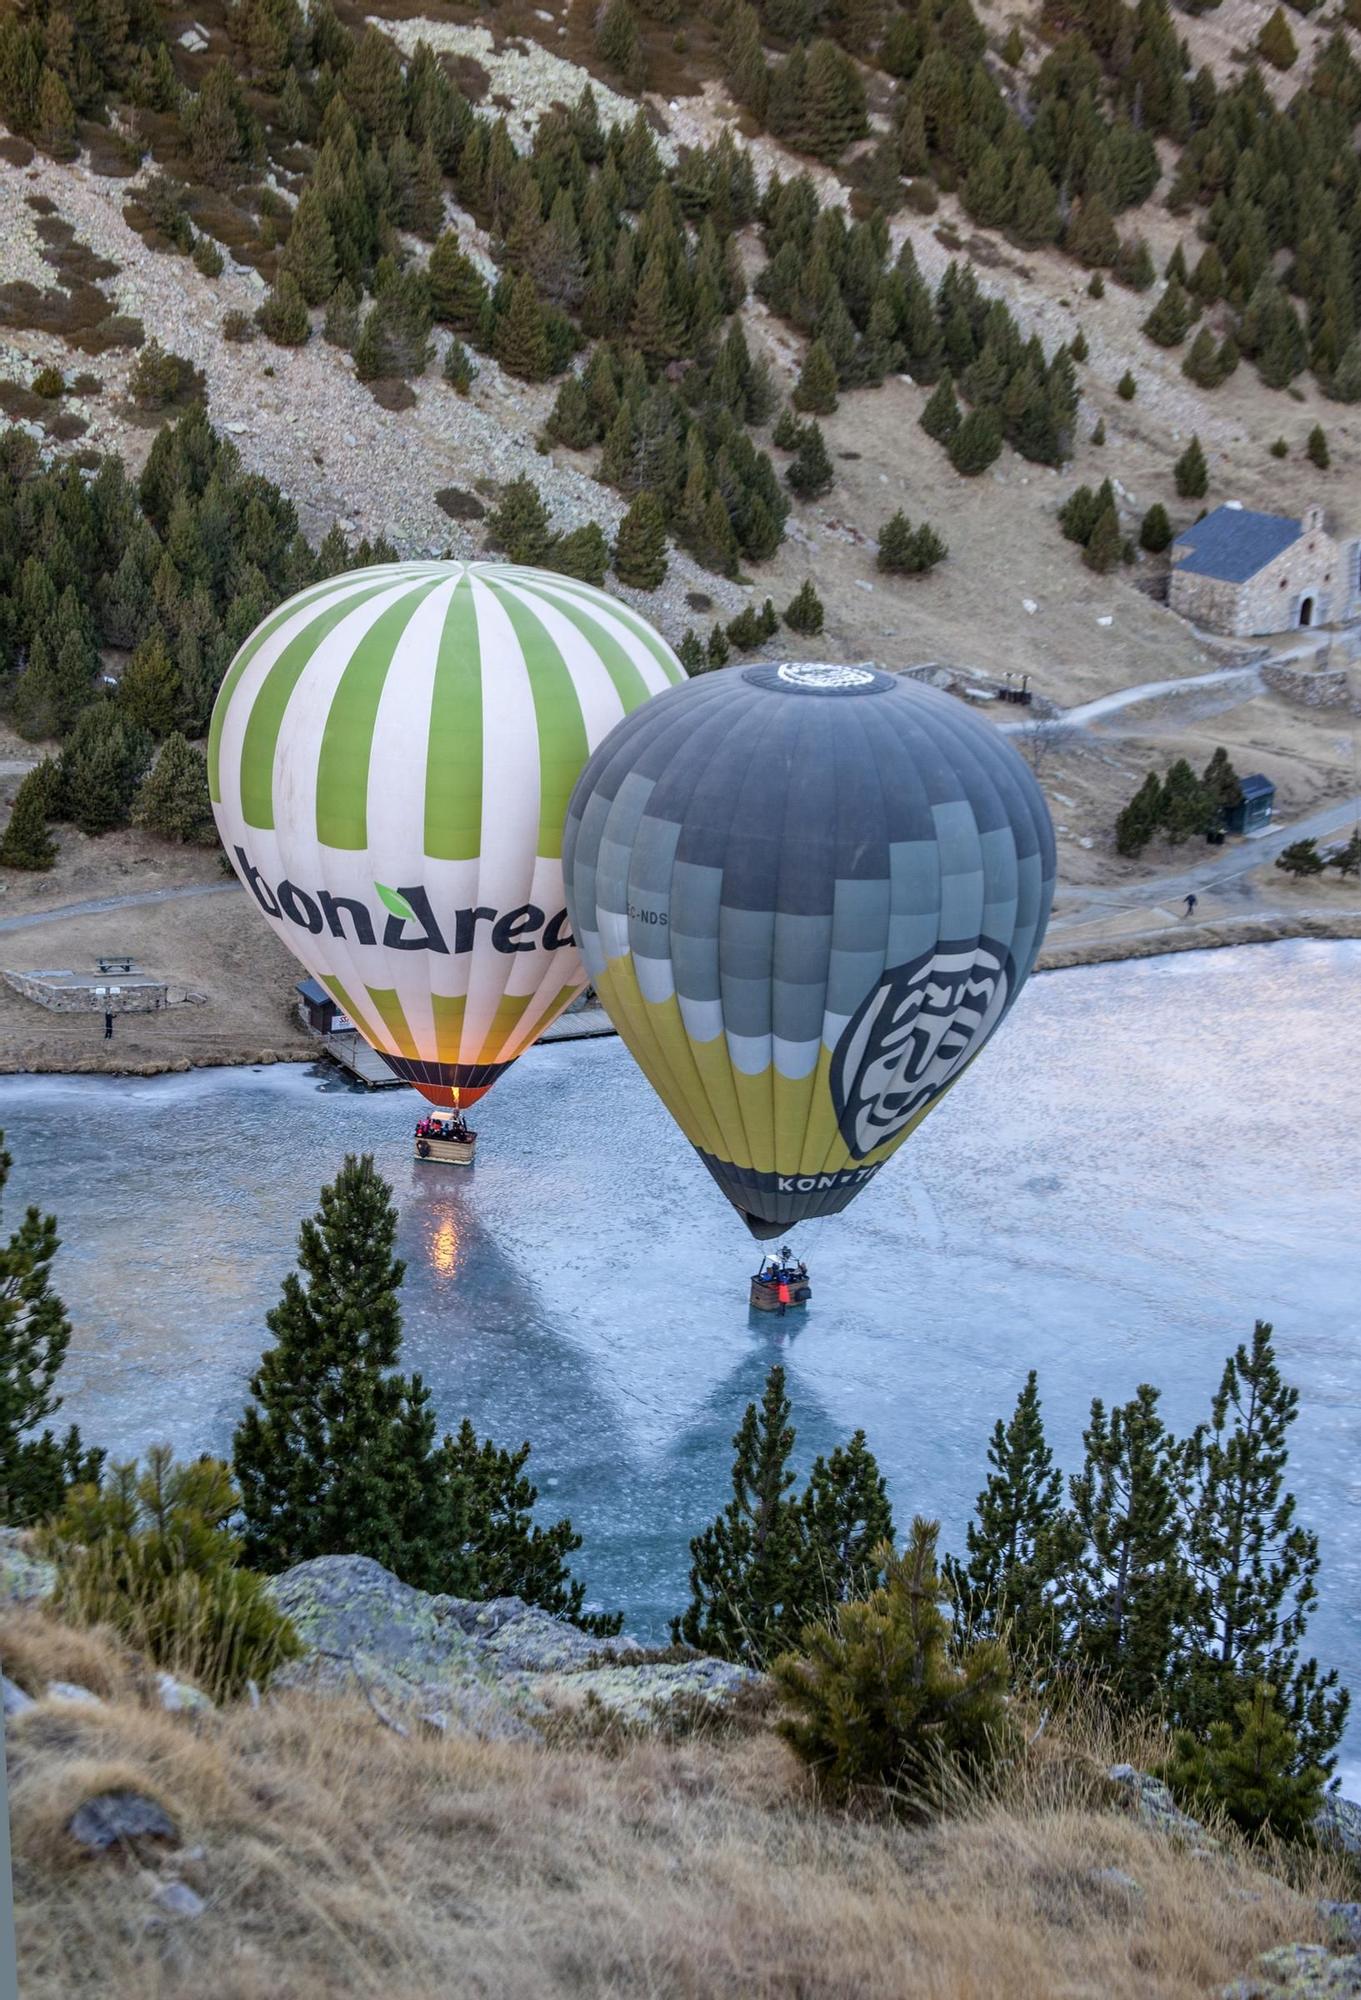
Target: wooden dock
[[350, 1052]]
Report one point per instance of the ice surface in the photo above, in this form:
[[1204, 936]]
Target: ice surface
[[1147, 1157]]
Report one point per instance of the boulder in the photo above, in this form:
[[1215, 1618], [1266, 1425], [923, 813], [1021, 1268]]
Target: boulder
[[1338, 1824], [68, 1691], [13, 1698], [1343, 1922], [1299, 1972], [1151, 1801], [494, 1668], [180, 1698], [119, 1819], [24, 1578]]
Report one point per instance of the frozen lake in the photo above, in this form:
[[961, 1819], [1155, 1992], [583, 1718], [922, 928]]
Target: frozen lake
[[1148, 1156]]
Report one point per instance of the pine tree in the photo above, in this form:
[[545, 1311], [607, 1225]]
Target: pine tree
[[1105, 542], [1345, 385], [521, 339], [1170, 320], [1127, 388], [26, 842], [718, 652], [640, 558], [1190, 472], [815, 390], [283, 316], [309, 255], [832, 112], [1126, 1592], [926, 550], [977, 442], [341, 327], [1186, 807], [173, 801], [518, 526], [1277, 43], [571, 421], [1155, 530], [458, 291], [459, 369], [1254, 1773], [1090, 235], [744, 1570], [941, 418], [895, 543], [1254, 1565], [1077, 347], [1221, 784], [1016, 1541], [55, 125], [1134, 264], [100, 769], [1136, 825], [691, 654], [1317, 448], [583, 552], [811, 473], [35, 1471], [150, 693], [1346, 859], [880, 1698], [803, 613], [619, 44], [335, 1451], [788, 432], [1301, 859]]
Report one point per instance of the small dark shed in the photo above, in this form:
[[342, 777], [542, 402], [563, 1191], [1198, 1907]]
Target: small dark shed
[[1253, 810], [320, 1011]]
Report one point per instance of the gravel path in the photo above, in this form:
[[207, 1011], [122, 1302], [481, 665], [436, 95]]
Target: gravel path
[[97, 905]]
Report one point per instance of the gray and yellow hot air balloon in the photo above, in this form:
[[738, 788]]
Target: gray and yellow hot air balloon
[[807, 895]]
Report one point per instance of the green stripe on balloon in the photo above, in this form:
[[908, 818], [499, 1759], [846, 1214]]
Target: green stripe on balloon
[[623, 671], [347, 740], [271, 699], [563, 748], [229, 682], [453, 778], [589, 599]]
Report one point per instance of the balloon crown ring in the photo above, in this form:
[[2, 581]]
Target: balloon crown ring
[[819, 677]]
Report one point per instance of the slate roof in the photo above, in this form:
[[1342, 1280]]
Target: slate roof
[[1233, 543], [1256, 786], [312, 993]]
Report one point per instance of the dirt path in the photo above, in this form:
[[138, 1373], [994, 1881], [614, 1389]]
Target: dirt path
[[97, 905]]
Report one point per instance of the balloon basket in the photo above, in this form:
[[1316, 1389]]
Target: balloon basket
[[765, 1295], [436, 1152]]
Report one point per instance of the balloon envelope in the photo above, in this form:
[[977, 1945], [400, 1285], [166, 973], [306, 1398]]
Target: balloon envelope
[[390, 761], [807, 895]]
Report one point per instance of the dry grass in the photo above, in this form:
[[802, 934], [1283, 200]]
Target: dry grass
[[338, 1859]]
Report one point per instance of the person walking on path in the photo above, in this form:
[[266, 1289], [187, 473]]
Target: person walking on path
[[108, 1027], [1190, 909]]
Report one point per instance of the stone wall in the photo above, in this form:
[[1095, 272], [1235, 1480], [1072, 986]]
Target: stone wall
[[146, 998], [1314, 687]]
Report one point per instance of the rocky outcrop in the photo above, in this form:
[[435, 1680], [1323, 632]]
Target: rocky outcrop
[[501, 1668], [1300, 1972], [1150, 1801], [24, 1577]]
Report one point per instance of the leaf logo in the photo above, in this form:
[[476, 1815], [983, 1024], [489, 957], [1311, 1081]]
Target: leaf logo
[[397, 904]]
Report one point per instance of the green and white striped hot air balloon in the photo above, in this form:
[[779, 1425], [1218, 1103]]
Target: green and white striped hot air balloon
[[390, 761]]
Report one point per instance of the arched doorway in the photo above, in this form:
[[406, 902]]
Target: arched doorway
[[1306, 611]]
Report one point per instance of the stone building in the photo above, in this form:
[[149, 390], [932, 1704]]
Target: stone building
[[1251, 574]]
